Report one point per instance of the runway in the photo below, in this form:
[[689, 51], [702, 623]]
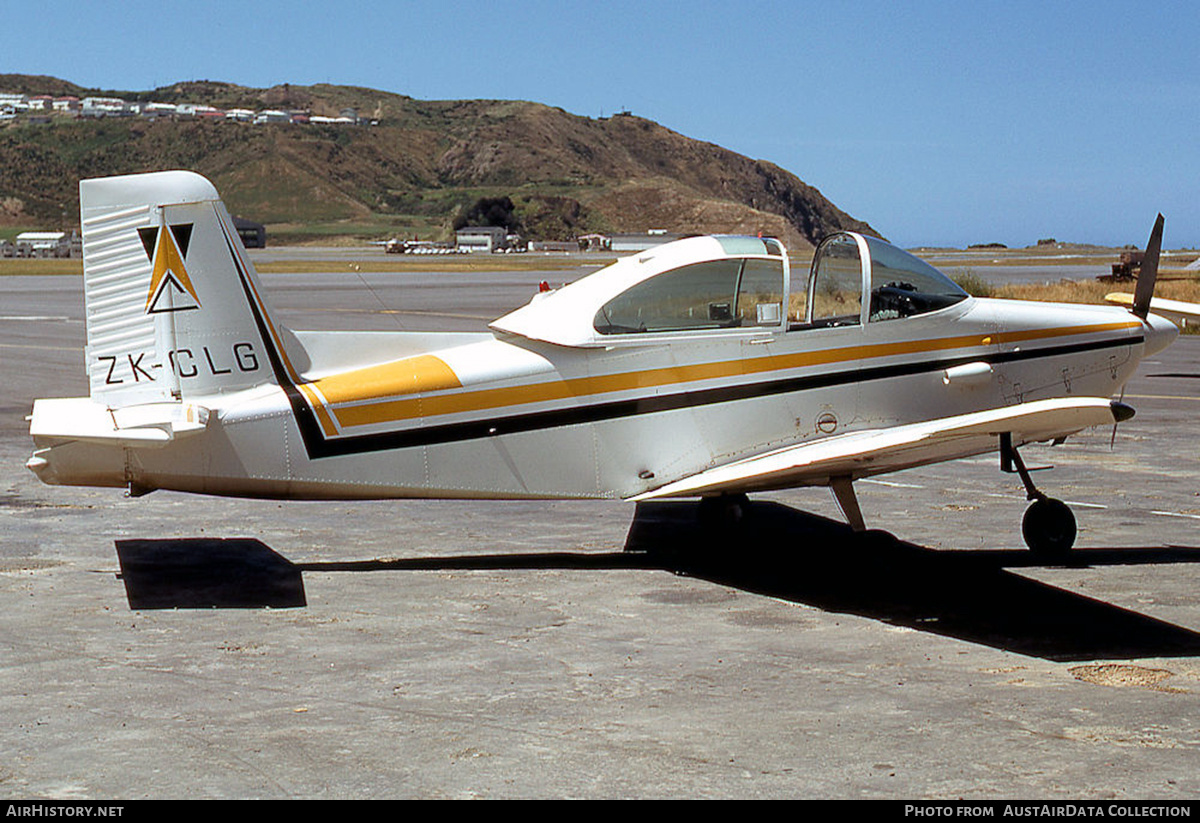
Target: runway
[[174, 646]]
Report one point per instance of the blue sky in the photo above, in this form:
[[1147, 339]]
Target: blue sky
[[940, 123]]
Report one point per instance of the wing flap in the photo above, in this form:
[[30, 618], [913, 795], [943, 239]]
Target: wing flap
[[875, 451]]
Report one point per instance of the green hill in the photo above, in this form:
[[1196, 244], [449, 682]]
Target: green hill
[[423, 164]]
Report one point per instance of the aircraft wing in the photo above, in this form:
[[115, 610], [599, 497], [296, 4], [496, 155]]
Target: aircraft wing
[[875, 451], [1176, 311]]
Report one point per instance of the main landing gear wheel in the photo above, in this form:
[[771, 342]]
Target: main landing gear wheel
[[722, 511], [1049, 528]]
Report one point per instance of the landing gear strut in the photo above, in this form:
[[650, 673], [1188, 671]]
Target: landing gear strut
[[1048, 525]]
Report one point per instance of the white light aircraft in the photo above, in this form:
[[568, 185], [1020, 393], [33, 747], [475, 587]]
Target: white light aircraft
[[702, 368]]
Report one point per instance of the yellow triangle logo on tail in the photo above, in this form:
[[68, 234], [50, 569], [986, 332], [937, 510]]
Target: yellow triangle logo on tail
[[170, 287]]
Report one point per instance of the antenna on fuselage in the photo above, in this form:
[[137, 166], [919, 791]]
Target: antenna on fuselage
[[1149, 272]]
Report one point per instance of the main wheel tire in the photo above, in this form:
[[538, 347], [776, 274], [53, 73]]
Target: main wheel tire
[[723, 511], [1049, 528]]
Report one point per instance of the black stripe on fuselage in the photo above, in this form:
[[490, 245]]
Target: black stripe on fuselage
[[306, 418], [595, 412]]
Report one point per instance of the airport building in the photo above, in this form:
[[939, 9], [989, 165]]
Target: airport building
[[631, 242], [481, 238], [554, 245], [254, 235], [47, 244]]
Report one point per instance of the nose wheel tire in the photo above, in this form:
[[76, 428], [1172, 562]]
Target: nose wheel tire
[[1049, 528]]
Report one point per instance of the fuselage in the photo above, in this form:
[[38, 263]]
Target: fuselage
[[500, 416]]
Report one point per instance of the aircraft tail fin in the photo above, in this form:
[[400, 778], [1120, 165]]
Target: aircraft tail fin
[[172, 303]]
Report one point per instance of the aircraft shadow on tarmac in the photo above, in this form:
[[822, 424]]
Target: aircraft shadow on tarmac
[[198, 573], [777, 551]]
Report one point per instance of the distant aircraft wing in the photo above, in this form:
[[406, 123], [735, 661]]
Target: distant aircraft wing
[[875, 451], [1176, 311]]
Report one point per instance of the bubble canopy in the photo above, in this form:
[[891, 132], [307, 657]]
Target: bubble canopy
[[734, 286]]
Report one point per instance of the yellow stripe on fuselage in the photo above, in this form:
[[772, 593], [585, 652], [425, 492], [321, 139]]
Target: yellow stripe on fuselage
[[412, 375], [362, 388]]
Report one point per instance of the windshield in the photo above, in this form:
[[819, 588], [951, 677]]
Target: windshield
[[903, 285]]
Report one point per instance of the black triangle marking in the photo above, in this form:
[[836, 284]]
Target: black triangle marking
[[183, 236], [149, 237], [169, 282]]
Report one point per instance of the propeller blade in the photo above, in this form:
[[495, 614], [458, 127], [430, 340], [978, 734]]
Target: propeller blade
[[1119, 413], [1149, 272]]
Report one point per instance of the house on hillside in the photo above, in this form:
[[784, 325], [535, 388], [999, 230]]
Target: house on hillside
[[272, 116], [105, 107], [159, 110]]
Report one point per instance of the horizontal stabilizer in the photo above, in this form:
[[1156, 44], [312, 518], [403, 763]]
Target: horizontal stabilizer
[[150, 425], [875, 451]]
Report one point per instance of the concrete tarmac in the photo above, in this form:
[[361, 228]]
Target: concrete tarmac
[[176, 646]]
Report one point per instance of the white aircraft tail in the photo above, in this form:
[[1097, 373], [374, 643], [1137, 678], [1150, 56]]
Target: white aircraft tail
[[173, 306]]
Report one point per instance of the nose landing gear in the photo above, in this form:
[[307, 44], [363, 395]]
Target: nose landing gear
[[1048, 525]]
